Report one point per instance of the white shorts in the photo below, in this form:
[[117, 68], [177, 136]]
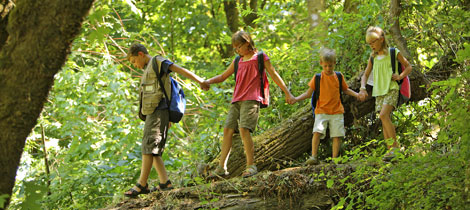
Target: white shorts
[[335, 121]]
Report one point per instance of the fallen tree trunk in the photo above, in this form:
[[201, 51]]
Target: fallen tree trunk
[[293, 188]]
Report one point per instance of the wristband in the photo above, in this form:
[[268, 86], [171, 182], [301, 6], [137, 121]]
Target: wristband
[[363, 88]]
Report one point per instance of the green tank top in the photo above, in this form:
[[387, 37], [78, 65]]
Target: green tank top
[[382, 71]]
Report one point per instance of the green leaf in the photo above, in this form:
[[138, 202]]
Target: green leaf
[[330, 183]]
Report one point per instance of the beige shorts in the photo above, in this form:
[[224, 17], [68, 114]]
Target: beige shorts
[[391, 98], [335, 121], [244, 114], [155, 132]]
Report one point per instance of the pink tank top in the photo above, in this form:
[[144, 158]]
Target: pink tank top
[[247, 86]]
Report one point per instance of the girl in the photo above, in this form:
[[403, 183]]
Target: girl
[[246, 99], [384, 82]]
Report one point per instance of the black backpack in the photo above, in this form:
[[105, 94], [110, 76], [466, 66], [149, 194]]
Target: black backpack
[[316, 92]]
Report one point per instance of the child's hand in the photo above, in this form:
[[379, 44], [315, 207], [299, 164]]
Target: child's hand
[[205, 85], [362, 95], [396, 77], [290, 99]]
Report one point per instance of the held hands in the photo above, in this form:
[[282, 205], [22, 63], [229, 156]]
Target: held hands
[[205, 85], [362, 95], [290, 99], [396, 77]]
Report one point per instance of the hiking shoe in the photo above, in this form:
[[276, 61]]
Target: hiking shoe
[[250, 171], [312, 161], [389, 156]]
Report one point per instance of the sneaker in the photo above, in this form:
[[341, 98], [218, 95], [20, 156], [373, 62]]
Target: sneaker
[[389, 156], [312, 161], [250, 171]]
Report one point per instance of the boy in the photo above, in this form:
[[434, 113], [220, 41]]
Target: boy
[[155, 110], [329, 110]]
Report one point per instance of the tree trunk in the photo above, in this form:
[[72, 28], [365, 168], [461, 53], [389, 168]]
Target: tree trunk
[[400, 41], [249, 19], [233, 22], [293, 188], [40, 34]]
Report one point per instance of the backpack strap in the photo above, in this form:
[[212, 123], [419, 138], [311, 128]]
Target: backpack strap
[[394, 61], [235, 67], [159, 77], [261, 70], [340, 80], [316, 94]]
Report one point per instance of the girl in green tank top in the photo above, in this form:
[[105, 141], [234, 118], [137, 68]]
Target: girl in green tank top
[[385, 87]]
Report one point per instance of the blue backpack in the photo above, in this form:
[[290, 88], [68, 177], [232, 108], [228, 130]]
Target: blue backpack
[[177, 102], [316, 92]]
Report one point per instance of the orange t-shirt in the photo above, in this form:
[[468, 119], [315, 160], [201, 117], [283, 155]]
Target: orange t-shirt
[[329, 101]]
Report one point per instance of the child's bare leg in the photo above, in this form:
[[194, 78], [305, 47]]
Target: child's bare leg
[[145, 170], [336, 146], [160, 167], [315, 143], [248, 145], [387, 125], [226, 145]]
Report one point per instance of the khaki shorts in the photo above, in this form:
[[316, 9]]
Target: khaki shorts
[[244, 114], [335, 121], [155, 132], [391, 98]]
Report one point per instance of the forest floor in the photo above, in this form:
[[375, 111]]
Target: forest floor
[[290, 188]]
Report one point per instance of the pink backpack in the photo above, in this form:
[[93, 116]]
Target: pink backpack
[[404, 94]]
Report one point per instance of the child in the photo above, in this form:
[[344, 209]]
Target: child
[[246, 99], [155, 110], [329, 110], [385, 86]]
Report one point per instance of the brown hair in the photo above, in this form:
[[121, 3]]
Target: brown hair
[[135, 48], [377, 32], [327, 55], [241, 37]]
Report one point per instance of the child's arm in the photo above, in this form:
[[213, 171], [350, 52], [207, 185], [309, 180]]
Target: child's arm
[[278, 80], [305, 95], [221, 77], [186, 73], [363, 92], [352, 93], [405, 72]]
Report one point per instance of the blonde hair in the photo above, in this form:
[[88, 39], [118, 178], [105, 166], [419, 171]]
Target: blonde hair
[[327, 55], [242, 37], [376, 32]]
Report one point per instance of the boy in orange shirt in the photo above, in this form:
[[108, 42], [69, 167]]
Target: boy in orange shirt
[[329, 110]]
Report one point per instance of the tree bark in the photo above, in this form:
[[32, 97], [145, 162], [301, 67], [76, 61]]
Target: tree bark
[[400, 41], [293, 188], [249, 19], [233, 22], [39, 37]]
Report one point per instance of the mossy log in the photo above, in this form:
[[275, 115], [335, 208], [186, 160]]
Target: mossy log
[[293, 188]]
